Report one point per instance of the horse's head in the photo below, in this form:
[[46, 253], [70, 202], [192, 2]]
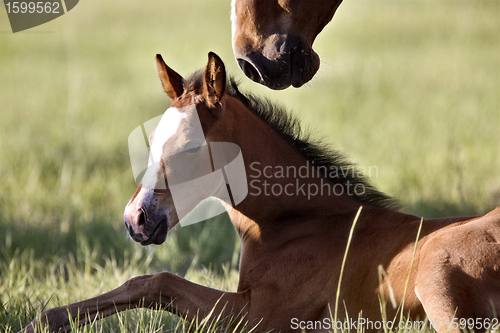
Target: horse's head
[[178, 151], [272, 39]]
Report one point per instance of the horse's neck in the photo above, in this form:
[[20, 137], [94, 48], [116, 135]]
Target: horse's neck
[[281, 181]]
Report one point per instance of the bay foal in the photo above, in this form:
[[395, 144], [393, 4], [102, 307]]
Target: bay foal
[[293, 242]]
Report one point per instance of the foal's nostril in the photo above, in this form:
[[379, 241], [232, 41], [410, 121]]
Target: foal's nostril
[[250, 71], [142, 218]]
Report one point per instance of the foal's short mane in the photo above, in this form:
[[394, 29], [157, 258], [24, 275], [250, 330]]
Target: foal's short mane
[[316, 151]]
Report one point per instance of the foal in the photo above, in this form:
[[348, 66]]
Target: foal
[[294, 237]]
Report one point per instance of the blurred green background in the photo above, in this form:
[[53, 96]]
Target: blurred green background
[[411, 87]]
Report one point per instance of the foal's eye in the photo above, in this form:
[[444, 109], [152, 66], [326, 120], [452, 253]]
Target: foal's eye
[[192, 147]]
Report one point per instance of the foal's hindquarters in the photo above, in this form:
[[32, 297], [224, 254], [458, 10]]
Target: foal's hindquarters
[[458, 280]]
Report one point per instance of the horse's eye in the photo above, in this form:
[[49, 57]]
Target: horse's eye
[[193, 147]]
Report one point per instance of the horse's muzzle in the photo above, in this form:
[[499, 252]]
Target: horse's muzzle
[[143, 230], [283, 64]]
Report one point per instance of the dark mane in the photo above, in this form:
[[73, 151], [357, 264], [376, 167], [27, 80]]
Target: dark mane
[[312, 149]]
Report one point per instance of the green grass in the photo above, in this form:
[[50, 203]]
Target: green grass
[[410, 87]]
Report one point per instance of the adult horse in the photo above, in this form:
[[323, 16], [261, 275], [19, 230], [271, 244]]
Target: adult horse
[[294, 226], [272, 39]]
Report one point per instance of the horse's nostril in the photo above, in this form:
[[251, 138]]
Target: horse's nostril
[[142, 218], [250, 71]]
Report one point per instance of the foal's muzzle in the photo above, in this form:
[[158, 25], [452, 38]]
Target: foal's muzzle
[[144, 230]]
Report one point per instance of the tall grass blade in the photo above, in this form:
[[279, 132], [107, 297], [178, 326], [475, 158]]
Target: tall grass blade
[[409, 272], [343, 264]]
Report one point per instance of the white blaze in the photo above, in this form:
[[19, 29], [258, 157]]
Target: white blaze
[[167, 127]]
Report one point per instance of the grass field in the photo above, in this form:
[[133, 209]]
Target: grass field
[[411, 87]]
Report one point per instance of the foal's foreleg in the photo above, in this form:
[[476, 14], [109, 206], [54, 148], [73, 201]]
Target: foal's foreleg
[[165, 290]]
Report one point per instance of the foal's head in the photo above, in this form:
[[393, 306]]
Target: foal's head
[[178, 152]]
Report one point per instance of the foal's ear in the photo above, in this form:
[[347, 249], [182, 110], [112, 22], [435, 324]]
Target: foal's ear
[[214, 80], [170, 79]]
